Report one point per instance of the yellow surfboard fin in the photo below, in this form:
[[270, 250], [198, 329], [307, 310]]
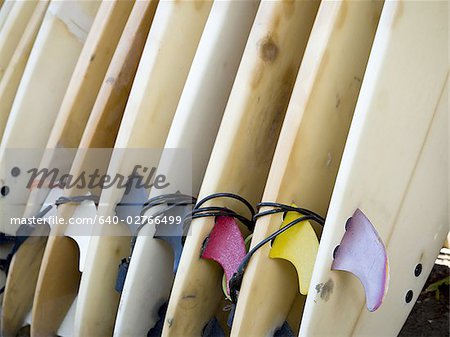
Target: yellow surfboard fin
[[299, 245]]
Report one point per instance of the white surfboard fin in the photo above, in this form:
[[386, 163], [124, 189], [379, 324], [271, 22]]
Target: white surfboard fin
[[172, 233], [170, 222], [363, 254], [81, 231]]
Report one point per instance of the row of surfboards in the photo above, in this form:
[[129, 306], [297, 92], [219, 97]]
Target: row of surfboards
[[337, 111]]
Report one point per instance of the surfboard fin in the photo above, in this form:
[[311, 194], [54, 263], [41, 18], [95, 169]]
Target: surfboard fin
[[87, 209], [225, 245], [298, 245], [172, 231], [363, 254], [131, 204], [130, 207]]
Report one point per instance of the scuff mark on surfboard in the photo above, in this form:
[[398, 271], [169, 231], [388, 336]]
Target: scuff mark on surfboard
[[189, 300], [189, 296], [77, 21], [329, 160], [338, 100], [325, 290]]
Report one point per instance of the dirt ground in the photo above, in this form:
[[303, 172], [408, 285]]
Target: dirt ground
[[430, 316]]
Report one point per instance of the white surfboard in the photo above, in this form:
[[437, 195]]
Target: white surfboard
[[11, 78], [307, 157], [66, 133], [42, 88], [82, 91], [243, 150], [13, 73], [13, 29], [100, 132], [156, 90], [395, 169], [197, 119]]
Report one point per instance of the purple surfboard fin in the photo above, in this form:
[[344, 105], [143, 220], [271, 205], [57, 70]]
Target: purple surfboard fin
[[225, 245], [363, 254]]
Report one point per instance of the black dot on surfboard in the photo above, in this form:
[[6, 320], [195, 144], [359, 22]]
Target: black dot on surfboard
[[418, 270], [335, 251], [4, 191], [15, 171], [409, 296]]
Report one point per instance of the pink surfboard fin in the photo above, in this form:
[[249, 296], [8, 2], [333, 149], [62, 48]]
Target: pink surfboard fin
[[363, 254], [225, 245]]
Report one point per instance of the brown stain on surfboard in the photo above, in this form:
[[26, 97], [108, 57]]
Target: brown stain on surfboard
[[268, 47], [273, 119], [268, 50], [288, 8], [276, 22], [65, 28], [342, 15]]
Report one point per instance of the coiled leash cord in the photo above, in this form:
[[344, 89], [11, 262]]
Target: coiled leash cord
[[236, 280]]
